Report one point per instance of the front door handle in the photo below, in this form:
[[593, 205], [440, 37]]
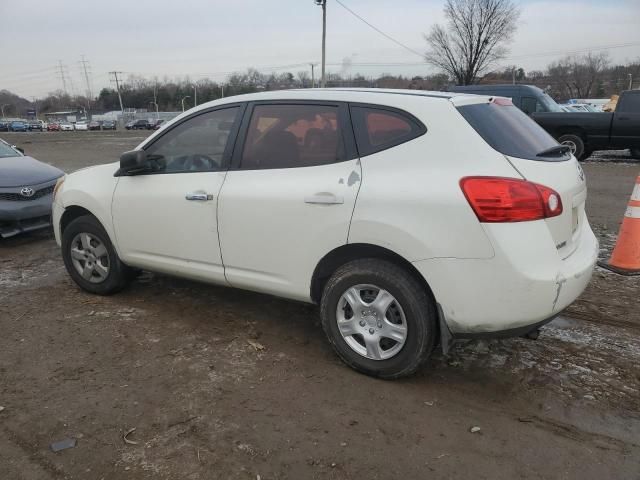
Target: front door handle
[[199, 196], [324, 198]]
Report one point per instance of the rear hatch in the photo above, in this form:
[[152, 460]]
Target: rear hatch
[[537, 157]]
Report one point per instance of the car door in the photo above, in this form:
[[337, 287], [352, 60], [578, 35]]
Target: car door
[[288, 198], [166, 219], [625, 128]]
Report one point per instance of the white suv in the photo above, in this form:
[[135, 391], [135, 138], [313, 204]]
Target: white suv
[[410, 217]]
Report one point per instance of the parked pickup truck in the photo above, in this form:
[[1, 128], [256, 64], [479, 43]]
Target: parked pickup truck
[[586, 132]]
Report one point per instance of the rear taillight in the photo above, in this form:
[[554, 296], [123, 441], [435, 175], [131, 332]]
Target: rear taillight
[[499, 199]]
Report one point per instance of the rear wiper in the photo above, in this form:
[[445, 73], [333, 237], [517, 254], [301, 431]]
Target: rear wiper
[[554, 151]]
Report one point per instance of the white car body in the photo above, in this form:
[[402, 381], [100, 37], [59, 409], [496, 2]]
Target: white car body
[[258, 231], [66, 127], [82, 126]]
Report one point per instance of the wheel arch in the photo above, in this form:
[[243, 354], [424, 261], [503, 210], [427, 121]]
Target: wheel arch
[[571, 130], [354, 251], [71, 213]]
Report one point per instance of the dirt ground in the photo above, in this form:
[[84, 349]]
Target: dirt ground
[[177, 361]]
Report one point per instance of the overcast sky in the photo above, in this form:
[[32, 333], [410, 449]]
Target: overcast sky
[[212, 38]]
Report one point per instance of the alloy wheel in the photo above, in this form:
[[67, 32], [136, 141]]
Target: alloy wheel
[[372, 322], [90, 257]]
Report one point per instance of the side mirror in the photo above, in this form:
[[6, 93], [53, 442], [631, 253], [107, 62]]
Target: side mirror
[[21, 150], [132, 163]]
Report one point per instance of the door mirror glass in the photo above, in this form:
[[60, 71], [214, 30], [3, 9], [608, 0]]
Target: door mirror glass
[[21, 150]]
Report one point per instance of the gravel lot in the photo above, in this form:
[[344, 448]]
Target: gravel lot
[[177, 361]]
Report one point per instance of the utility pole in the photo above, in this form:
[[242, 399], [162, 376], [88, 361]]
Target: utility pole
[[630, 81], [195, 95], [323, 4], [2, 108], [35, 104], [183, 99], [313, 76], [115, 74], [514, 75], [61, 71], [84, 63], [155, 98]]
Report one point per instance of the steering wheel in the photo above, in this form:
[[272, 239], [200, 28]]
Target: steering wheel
[[196, 163]]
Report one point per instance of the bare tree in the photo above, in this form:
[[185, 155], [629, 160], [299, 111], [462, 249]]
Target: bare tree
[[474, 38], [576, 76], [304, 78]]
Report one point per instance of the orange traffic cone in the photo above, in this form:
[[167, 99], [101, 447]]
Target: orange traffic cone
[[625, 258]]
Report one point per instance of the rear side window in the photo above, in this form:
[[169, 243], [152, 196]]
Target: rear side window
[[510, 131], [377, 129]]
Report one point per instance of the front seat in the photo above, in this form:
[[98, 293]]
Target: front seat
[[277, 150]]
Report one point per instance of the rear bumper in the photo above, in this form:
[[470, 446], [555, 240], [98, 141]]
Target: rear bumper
[[524, 285], [24, 216]]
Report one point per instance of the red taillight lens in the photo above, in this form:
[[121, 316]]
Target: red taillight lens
[[498, 199]]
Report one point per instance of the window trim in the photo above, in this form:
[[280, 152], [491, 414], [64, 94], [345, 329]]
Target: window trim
[[228, 149], [359, 125], [344, 125]]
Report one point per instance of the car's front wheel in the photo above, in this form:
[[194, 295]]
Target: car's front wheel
[[90, 258], [379, 318]]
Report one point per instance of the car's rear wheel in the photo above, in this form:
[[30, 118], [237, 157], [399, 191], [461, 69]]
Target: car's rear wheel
[[90, 258], [575, 143], [379, 318]]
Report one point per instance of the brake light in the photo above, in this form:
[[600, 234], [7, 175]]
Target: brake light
[[499, 199]]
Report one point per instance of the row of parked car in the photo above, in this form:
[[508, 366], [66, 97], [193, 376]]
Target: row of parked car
[[21, 126], [82, 125]]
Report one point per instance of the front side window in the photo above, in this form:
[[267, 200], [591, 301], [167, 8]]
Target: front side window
[[530, 105], [198, 144], [289, 136], [378, 129]]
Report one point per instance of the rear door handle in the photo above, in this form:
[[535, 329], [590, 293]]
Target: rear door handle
[[623, 118], [199, 196], [324, 198]]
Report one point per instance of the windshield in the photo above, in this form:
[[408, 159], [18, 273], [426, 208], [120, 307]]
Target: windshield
[[7, 151], [550, 103]]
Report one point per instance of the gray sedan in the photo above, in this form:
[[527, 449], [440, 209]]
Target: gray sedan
[[26, 188]]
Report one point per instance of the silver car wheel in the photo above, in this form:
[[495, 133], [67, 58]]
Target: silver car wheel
[[90, 257], [372, 322], [572, 146]]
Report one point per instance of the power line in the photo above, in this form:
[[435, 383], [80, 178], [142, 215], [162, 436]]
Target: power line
[[84, 64], [389, 37], [62, 76]]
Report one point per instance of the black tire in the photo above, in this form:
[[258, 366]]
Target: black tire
[[417, 305], [574, 140], [635, 152], [118, 275]]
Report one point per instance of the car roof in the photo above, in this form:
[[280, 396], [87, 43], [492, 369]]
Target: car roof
[[356, 95]]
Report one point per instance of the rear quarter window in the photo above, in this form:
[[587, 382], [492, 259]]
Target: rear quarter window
[[510, 131], [378, 128]]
